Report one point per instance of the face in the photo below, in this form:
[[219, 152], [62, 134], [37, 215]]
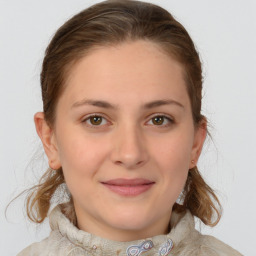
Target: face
[[124, 137]]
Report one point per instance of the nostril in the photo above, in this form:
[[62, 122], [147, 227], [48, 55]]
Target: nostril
[[139, 163], [129, 164]]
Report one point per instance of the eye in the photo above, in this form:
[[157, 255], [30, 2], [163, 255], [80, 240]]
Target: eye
[[160, 120], [95, 120]]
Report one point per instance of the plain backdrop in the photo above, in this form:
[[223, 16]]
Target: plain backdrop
[[225, 35]]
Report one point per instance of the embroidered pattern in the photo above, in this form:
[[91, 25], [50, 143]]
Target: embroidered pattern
[[165, 248], [135, 250]]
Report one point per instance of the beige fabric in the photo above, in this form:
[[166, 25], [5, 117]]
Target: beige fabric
[[183, 240]]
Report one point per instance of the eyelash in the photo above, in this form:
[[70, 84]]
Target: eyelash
[[87, 118], [165, 117]]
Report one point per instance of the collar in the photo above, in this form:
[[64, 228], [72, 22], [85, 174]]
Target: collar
[[182, 226]]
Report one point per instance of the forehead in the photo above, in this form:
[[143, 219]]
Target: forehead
[[139, 69]]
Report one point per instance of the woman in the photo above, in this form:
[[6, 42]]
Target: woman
[[122, 129]]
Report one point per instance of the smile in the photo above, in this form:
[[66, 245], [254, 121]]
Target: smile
[[128, 187]]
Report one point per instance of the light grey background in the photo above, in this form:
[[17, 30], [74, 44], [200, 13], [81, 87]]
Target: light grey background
[[225, 34]]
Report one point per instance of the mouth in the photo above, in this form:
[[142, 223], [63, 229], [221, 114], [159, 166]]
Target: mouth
[[128, 187]]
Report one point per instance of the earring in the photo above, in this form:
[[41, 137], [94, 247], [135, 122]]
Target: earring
[[181, 197]]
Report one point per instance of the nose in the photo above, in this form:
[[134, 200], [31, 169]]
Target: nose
[[129, 148]]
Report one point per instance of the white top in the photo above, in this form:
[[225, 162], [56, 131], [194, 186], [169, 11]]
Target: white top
[[183, 240]]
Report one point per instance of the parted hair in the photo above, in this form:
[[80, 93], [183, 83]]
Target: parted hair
[[110, 23]]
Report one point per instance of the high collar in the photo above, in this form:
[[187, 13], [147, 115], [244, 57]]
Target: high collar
[[182, 227]]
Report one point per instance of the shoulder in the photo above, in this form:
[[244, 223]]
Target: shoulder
[[203, 245], [59, 242], [212, 246], [53, 245], [190, 242], [36, 249]]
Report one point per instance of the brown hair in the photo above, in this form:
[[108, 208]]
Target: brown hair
[[109, 23]]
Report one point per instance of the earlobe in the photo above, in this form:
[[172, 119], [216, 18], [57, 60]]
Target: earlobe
[[45, 132], [199, 138]]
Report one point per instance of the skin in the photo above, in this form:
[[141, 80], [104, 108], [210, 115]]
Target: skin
[[126, 142]]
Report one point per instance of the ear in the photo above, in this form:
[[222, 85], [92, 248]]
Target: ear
[[199, 138], [48, 139]]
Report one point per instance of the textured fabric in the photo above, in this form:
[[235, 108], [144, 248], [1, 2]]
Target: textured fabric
[[183, 240]]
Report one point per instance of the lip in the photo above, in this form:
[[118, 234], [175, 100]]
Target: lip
[[128, 187]]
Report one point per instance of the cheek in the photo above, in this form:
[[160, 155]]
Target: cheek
[[81, 158], [174, 152], [172, 158], [81, 155]]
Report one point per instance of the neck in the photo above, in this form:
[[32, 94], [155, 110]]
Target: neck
[[123, 233]]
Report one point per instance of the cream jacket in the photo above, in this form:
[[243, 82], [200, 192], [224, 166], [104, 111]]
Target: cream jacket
[[183, 240]]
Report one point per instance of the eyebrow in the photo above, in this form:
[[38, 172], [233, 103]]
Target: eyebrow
[[105, 104], [97, 103], [158, 103]]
